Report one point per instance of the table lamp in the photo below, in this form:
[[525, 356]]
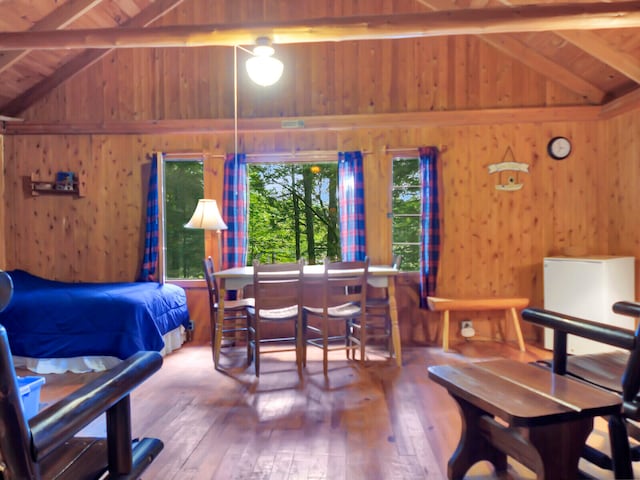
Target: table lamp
[[207, 217]]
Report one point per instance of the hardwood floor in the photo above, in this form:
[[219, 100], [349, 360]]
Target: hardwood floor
[[372, 422]]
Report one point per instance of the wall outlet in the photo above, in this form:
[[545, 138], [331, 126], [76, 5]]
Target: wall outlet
[[466, 324]]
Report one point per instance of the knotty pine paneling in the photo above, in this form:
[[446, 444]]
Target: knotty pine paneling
[[621, 158], [492, 242], [405, 75]]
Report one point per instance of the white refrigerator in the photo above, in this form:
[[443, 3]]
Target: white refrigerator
[[587, 288]]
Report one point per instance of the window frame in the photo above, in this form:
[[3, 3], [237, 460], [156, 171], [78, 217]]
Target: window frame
[[394, 215]]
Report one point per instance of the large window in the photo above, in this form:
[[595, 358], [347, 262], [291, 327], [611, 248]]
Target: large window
[[293, 212], [184, 248], [406, 206]]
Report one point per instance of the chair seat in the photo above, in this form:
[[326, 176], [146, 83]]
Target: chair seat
[[276, 314], [238, 304], [346, 310]]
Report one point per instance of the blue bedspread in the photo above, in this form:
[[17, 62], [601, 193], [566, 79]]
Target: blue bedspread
[[50, 319]]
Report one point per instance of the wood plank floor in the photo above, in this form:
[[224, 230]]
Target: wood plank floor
[[372, 422]]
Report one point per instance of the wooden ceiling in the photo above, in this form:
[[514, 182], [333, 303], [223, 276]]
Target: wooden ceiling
[[591, 48]]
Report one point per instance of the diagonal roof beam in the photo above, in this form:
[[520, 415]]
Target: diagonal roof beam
[[509, 45], [545, 67], [529, 18], [59, 18], [82, 61], [597, 47]]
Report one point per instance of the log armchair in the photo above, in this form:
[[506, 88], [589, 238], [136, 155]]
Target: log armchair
[[617, 371], [45, 447]]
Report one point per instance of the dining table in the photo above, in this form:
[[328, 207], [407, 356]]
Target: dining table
[[380, 276]]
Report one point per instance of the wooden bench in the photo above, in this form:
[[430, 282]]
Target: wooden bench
[[509, 305], [556, 413]]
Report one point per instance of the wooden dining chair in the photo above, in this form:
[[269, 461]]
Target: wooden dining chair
[[343, 294], [379, 312], [277, 288], [234, 321]]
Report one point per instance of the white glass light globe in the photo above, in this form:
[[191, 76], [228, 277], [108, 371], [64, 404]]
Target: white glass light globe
[[264, 70]]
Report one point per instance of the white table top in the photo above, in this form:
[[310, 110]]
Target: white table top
[[239, 277]]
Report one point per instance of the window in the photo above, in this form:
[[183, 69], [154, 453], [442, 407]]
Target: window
[[406, 208], [293, 212], [183, 185]]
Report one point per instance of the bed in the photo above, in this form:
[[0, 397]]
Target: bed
[[57, 326]]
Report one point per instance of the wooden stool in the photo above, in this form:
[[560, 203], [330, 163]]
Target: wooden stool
[[556, 410], [509, 305]]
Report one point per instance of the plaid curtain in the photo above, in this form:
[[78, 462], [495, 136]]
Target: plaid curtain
[[430, 235], [148, 272], [351, 206], [234, 211]]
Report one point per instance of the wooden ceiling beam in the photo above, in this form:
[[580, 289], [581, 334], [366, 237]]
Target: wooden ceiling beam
[[59, 18], [494, 116], [625, 104], [529, 18], [82, 61], [512, 47], [545, 67], [595, 46]]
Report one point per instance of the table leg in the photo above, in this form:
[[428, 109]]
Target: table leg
[[516, 326], [473, 446], [393, 313], [217, 345], [445, 330]]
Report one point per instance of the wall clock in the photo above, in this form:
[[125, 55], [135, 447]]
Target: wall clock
[[559, 148]]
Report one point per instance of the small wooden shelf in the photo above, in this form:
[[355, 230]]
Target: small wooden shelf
[[39, 187]]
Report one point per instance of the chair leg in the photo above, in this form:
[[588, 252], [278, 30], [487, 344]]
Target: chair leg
[[363, 337], [248, 340], [256, 346], [620, 452], [303, 335], [325, 346]]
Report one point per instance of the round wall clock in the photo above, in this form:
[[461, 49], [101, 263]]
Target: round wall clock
[[559, 148]]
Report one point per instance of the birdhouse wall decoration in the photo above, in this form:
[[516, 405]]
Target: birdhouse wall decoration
[[509, 172]]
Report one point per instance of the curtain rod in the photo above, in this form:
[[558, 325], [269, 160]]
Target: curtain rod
[[304, 155], [410, 150]]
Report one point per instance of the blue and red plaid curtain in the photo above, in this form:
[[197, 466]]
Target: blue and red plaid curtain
[[234, 211], [351, 206], [430, 235], [148, 272]]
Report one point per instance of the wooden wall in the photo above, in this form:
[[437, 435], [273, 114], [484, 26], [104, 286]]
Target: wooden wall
[[493, 242], [620, 156]]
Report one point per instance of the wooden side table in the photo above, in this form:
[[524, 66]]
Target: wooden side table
[[546, 418]]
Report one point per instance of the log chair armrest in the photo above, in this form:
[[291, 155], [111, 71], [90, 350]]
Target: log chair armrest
[[611, 335], [59, 422], [630, 309], [565, 324]]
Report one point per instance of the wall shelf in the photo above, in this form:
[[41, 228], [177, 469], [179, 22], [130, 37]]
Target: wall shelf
[[39, 186]]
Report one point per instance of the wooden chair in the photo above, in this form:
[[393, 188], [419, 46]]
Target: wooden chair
[[45, 447], [234, 323], [602, 370], [277, 288], [343, 294], [379, 313]]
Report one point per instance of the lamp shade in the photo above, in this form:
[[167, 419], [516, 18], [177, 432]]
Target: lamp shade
[[262, 68], [207, 216]]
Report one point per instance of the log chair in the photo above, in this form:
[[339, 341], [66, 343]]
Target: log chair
[[45, 447], [617, 371]]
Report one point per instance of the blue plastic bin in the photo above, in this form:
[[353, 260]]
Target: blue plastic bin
[[30, 394]]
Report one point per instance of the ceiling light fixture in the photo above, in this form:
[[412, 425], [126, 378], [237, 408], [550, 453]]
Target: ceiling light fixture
[[263, 68]]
